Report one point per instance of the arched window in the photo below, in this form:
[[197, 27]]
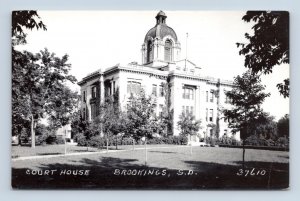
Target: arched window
[[149, 51], [168, 50]]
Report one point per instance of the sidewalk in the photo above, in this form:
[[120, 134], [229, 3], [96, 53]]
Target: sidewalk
[[90, 152]]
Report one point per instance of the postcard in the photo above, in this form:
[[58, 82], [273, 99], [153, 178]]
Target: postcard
[[152, 99]]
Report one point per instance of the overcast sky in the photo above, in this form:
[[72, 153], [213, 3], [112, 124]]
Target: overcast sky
[[95, 40]]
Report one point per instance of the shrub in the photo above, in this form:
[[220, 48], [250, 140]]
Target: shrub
[[183, 140], [252, 140], [51, 139], [59, 140], [97, 141], [80, 139], [282, 142], [41, 139], [127, 141]]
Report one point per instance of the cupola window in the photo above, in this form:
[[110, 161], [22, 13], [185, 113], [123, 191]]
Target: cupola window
[[168, 50], [149, 51]]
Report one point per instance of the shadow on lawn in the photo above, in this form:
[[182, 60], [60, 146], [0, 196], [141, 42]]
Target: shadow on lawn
[[164, 152], [45, 154], [202, 175]]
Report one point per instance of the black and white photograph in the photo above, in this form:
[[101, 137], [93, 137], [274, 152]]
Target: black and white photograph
[[150, 99]]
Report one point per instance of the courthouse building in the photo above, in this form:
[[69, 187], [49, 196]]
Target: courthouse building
[[161, 66]]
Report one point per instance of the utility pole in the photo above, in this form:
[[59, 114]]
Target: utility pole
[[186, 49]]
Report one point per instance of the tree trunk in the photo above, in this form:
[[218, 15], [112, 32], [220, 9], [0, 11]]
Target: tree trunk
[[65, 145], [106, 144], [32, 133], [146, 157], [19, 140], [116, 142], [133, 142], [191, 144], [243, 156]]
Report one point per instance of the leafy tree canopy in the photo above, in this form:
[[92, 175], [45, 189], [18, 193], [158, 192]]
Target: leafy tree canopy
[[188, 124], [269, 44], [246, 98], [140, 112], [283, 126]]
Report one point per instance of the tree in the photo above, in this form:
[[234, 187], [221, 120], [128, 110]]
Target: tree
[[36, 80], [111, 121], [188, 125], [141, 122], [266, 129], [269, 45], [20, 20], [246, 98], [62, 106], [24, 19], [283, 126]]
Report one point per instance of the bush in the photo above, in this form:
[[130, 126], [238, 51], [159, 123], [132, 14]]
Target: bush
[[127, 141], [59, 140], [51, 139], [41, 139], [254, 140], [282, 142], [97, 141], [80, 139]]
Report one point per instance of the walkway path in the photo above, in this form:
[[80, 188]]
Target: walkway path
[[91, 152]]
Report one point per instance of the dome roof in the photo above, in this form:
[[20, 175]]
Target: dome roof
[[161, 29]]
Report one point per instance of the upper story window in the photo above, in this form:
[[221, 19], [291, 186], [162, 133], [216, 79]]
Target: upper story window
[[161, 91], [133, 87], [149, 51], [206, 96], [211, 96], [168, 50], [94, 92], [154, 90], [188, 93], [211, 115], [84, 97]]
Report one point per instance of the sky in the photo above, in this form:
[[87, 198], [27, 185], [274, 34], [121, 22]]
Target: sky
[[101, 39]]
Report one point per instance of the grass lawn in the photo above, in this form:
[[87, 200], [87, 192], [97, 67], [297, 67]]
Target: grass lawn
[[174, 167]]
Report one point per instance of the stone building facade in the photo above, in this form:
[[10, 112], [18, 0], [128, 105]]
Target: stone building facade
[[161, 66]]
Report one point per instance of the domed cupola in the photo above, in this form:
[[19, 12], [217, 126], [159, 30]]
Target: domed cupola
[[161, 45]]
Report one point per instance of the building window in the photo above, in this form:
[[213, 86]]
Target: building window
[[84, 114], [192, 110], [182, 109], [154, 90], [168, 50], [161, 110], [206, 96], [84, 97], [211, 115], [206, 115], [133, 87], [149, 51], [114, 87], [188, 93], [161, 91], [94, 92], [227, 100], [187, 109], [211, 96]]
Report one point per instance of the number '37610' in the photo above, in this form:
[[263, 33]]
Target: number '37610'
[[251, 172]]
